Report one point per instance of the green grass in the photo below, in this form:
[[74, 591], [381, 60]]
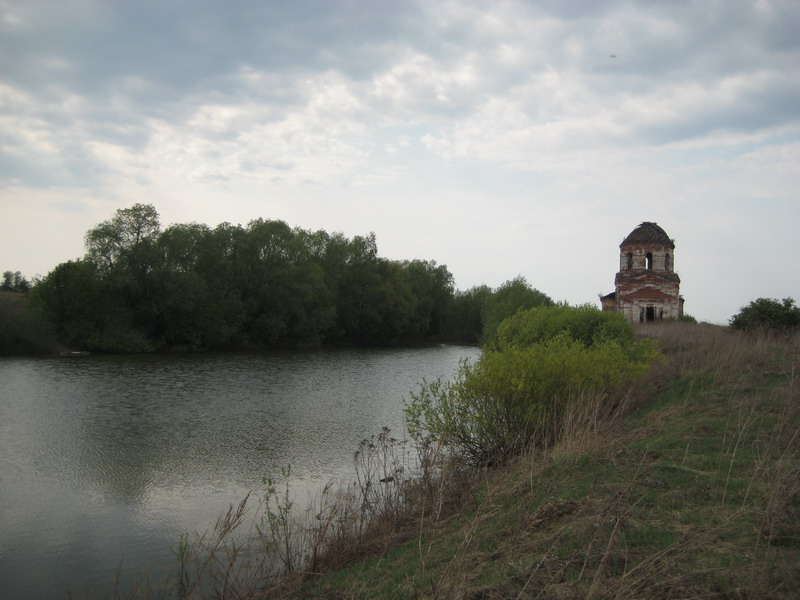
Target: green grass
[[693, 492]]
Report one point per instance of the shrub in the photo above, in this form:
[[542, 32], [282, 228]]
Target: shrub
[[767, 313], [585, 324], [512, 398]]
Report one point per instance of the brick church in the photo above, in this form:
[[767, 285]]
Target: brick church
[[646, 286]]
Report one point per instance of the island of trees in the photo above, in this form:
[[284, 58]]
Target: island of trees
[[141, 288]]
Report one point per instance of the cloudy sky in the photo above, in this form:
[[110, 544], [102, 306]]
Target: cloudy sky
[[498, 138]]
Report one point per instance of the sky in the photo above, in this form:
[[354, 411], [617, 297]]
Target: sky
[[500, 138]]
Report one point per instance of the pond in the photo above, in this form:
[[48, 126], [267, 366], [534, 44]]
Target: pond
[[106, 460]]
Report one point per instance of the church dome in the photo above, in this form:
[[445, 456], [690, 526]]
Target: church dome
[[648, 233]]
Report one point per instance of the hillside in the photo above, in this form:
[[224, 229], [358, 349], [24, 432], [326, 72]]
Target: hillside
[[693, 490]]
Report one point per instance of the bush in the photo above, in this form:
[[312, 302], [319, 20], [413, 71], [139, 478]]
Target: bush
[[585, 324], [513, 398], [767, 313]]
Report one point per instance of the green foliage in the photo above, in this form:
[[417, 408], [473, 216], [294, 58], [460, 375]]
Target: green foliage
[[510, 399], [433, 288], [767, 313], [465, 321], [586, 324], [21, 332], [693, 495], [505, 301], [85, 310], [141, 288], [540, 360], [124, 238]]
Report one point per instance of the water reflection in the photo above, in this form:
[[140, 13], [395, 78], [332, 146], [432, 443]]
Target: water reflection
[[105, 459]]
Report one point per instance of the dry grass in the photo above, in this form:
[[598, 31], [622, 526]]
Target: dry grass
[[687, 486], [263, 547]]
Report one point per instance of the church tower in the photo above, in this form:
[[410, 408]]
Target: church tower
[[647, 287]]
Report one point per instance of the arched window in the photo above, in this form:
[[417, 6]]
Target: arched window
[[630, 260], [649, 260], [667, 264]]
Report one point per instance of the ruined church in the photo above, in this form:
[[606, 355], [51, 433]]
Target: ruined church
[[646, 286]]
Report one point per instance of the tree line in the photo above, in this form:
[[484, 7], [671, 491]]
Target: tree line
[[265, 285], [14, 282]]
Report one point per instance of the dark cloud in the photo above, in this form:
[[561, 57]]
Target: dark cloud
[[177, 54], [184, 47]]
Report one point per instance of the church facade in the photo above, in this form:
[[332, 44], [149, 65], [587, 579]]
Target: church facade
[[646, 286]]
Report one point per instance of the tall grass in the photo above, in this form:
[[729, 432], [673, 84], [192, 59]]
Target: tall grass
[[264, 545], [687, 488], [685, 484]]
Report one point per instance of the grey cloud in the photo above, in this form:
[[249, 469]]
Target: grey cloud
[[179, 49], [71, 168], [768, 108], [130, 61], [183, 46]]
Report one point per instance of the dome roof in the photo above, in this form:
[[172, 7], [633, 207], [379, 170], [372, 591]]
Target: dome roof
[[648, 233]]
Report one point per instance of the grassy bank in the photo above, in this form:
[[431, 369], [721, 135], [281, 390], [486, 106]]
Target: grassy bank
[[692, 491], [684, 485]]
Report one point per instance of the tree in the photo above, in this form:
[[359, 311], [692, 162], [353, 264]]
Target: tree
[[465, 317], [15, 282], [172, 312], [21, 329], [125, 251], [284, 293], [433, 289], [180, 246], [353, 277], [123, 236], [263, 285], [767, 313], [506, 300], [85, 310]]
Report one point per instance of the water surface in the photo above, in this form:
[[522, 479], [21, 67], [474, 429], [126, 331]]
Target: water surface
[[106, 460]]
